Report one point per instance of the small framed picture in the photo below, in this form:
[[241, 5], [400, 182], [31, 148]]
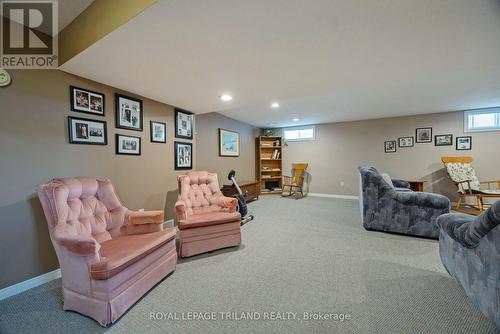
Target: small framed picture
[[183, 155], [183, 124], [128, 145], [229, 143], [129, 113], [405, 142], [423, 135], [443, 140], [390, 146], [86, 101], [87, 131], [464, 143], [158, 132]]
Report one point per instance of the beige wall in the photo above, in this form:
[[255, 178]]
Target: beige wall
[[207, 143], [34, 148], [340, 147]]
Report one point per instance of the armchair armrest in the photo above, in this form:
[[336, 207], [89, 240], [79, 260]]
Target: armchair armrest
[[426, 200], [490, 182], [400, 183], [468, 230], [180, 209], [68, 237], [145, 217], [228, 202]]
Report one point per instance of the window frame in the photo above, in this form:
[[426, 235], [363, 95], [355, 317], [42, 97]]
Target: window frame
[[467, 113], [298, 128]]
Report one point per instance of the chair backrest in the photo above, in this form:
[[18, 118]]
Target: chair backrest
[[298, 170], [372, 187], [460, 169], [88, 204], [200, 192]]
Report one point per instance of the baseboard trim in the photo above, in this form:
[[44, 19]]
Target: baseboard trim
[[29, 284], [333, 196]]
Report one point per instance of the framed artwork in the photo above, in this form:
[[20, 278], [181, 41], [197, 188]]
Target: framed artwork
[[390, 146], [405, 142], [128, 145], [87, 131], [423, 135], [443, 140], [183, 155], [464, 143], [86, 101], [129, 112], [229, 143], [158, 132], [183, 124]]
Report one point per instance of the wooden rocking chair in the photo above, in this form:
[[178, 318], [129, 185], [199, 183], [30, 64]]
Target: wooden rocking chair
[[463, 175], [295, 183]]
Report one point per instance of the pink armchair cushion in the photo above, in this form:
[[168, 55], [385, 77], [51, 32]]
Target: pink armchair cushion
[[209, 218], [228, 202], [120, 252], [145, 217]]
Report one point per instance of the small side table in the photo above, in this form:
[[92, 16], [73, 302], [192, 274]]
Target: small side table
[[417, 185], [250, 189]]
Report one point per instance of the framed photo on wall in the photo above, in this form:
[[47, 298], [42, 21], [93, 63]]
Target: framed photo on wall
[[464, 143], [390, 146], [128, 145], [229, 143], [183, 124], [183, 155], [158, 132], [129, 112], [423, 135], [87, 131], [86, 101], [405, 142], [443, 140]]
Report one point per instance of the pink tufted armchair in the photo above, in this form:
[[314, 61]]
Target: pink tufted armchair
[[109, 256], [207, 219]]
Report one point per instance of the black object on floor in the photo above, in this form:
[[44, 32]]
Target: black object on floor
[[242, 204]]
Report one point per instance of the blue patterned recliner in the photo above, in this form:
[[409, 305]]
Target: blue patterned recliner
[[470, 250], [386, 208]]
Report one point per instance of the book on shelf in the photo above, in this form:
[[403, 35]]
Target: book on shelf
[[276, 154]]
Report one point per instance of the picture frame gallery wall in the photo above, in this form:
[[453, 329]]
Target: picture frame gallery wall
[[424, 136], [129, 119]]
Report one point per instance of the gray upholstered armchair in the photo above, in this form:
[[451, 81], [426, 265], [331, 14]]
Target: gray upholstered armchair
[[469, 247], [388, 208]]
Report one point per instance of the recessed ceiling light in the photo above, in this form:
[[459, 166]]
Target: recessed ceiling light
[[296, 119], [275, 105], [226, 97]]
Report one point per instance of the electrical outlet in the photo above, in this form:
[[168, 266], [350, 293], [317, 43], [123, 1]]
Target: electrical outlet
[[342, 183]]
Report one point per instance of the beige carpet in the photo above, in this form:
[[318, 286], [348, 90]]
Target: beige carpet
[[309, 255]]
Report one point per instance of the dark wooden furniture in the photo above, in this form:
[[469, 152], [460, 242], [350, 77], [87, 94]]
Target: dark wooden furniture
[[416, 185], [251, 190]]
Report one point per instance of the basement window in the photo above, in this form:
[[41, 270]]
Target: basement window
[[300, 133], [482, 120]]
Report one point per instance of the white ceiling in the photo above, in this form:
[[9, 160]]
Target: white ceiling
[[322, 60], [70, 9]]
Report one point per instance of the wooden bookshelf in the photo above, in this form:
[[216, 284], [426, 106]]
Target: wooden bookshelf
[[269, 169]]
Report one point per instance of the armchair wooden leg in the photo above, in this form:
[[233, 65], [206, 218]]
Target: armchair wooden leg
[[480, 203], [459, 203]]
